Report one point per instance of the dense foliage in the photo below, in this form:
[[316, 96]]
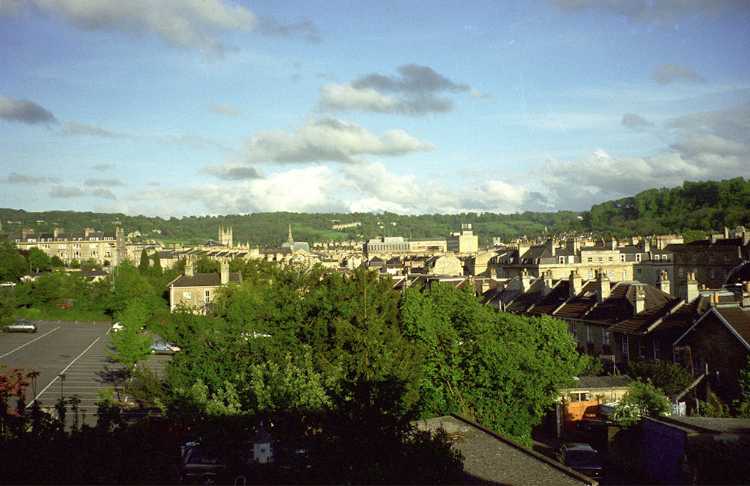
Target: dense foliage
[[670, 378], [694, 207], [697, 206], [641, 400]]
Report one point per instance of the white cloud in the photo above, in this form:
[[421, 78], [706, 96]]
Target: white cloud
[[330, 140], [180, 23], [414, 90]]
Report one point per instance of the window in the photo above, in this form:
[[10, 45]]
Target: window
[[589, 259], [624, 348], [579, 396], [637, 257], [657, 257], [609, 259], [207, 296], [605, 337], [187, 295], [601, 259], [641, 347], [561, 260], [588, 334], [622, 257], [656, 348]]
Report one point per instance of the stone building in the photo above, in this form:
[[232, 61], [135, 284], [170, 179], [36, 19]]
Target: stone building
[[196, 291], [106, 249], [711, 260], [464, 242]]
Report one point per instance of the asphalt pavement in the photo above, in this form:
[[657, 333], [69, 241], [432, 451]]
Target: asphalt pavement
[[72, 359]]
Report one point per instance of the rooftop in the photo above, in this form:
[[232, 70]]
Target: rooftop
[[491, 458]]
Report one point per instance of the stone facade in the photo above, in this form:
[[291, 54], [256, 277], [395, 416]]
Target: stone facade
[[104, 249]]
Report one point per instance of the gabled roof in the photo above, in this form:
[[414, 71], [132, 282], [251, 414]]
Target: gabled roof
[[559, 294], [618, 309], [735, 318], [524, 301], [579, 305]]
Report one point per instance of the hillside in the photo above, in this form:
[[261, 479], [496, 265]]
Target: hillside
[[694, 208]]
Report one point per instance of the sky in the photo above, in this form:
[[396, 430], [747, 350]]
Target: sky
[[191, 107]]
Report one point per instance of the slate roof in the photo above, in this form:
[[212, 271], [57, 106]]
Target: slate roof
[[537, 251], [594, 382], [204, 280], [490, 458], [559, 294], [527, 299], [737, 317], [578, 306], [658, 305]]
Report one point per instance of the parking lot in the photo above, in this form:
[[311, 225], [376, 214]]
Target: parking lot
[[71, 359]]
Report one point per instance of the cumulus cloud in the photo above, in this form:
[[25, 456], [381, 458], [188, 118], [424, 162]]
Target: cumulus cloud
[[650, 11], [73, 192], [232, 172], [192, 24], [25, 179], [416, 90], [635, 122], [329, 139], [180, 23], [24, 111], [709, 145], [73, 129], [670, 73]]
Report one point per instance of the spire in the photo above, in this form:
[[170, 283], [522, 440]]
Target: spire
[[289, 238]]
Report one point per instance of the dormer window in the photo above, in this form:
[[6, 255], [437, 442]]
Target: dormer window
[[637, 257]]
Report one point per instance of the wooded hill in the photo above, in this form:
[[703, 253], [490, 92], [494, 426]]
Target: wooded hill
[[695, 208]]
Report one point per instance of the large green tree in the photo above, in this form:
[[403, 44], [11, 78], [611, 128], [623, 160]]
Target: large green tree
[[502, 369], [12, 264], [38, 260]]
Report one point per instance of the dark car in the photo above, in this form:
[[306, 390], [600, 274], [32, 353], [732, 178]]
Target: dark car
[[21, 325], [200, 466], [582, 458]]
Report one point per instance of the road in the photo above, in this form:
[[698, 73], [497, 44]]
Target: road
[[72, 361]]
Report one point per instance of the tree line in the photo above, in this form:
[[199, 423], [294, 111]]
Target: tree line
[[694, 207]]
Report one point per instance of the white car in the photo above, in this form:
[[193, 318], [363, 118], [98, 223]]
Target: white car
[[117, 327]]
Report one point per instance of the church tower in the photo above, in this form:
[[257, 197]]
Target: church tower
[[225, 236], [289, 238]]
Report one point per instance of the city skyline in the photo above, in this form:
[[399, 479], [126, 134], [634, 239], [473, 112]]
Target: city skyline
[[210, 107]]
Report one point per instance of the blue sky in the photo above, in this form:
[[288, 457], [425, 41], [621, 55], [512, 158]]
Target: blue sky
[[183, 107]]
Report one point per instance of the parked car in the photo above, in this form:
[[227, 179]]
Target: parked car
[[582, 458], [117, 327], [21, 325], [163, 347], [199, 466]]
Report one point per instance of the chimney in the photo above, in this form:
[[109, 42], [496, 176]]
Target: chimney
[[575, 283], [691, 287], [189, 272], [547, 282], [224, 272], [640, 300], [663, 283], [525, 280], [603, 288]]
